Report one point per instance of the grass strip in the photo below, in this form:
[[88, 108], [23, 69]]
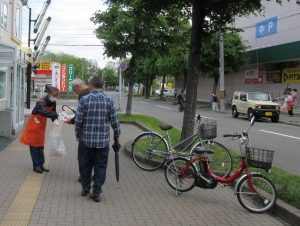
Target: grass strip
[[287, 184]]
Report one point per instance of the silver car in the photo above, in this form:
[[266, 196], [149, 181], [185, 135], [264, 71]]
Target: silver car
[[166, 92]]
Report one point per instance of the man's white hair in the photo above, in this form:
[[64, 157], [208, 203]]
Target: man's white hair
[[77, 81]]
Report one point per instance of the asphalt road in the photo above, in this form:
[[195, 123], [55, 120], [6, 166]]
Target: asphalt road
[[283, 139]]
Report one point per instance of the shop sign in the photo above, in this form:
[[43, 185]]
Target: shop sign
[[45, 66], [70, 77], [56, 76], [253, 77], [291, 75], [274, 76], [40, 76], [63, 78]]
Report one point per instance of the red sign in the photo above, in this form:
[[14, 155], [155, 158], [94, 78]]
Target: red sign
[[44, 72], [63, 78], [254, 77]]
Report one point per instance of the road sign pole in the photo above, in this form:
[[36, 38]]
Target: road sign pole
[[120, 91], [222, 93]]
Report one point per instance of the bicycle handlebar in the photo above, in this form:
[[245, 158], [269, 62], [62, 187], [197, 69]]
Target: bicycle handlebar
[[232, 135]]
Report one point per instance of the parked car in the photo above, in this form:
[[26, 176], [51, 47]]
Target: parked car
[[166, 92], [256, 104]]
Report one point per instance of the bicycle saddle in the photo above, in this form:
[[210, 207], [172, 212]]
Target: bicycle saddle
[[200, 150], [166, 127]]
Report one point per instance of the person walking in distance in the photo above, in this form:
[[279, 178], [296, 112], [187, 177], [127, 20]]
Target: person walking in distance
[[287, 90], [181, 99], [290, 103], [34, 133], [95, 113], [215, 103], [81, 89], [175, 92]]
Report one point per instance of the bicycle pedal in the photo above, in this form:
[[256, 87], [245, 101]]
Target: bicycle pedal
[[223, 185]]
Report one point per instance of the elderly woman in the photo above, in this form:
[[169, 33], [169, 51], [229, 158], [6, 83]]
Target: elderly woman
[[34, 133]]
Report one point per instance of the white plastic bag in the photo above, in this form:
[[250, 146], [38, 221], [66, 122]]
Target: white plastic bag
[[56, 146]]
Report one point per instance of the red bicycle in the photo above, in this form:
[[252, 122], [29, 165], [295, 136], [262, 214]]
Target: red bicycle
[[254, 191]]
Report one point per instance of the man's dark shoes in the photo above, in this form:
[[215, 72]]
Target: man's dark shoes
[[44, 169], [38, 170], [85, 191], [79, 179], [96, 198]]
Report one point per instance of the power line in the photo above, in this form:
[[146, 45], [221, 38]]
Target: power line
[[72, 45]]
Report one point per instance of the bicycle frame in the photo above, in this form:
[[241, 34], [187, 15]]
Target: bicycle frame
[[242, 167]]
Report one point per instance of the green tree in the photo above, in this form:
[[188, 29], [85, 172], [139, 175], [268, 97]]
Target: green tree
[[206, 16], [136, 31], [234, 51], [90, 67]]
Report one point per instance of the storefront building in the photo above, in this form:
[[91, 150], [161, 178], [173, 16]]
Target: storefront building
[[274, 56], [12, 68]]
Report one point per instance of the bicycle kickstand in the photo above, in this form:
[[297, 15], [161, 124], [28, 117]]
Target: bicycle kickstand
[[177, 193]]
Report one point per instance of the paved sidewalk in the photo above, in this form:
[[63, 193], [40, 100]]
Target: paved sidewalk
[[144, 198]]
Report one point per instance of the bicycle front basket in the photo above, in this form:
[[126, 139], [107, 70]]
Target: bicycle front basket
[[259, 158], [208, 129]]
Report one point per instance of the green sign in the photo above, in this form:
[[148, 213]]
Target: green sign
[[70, 77]]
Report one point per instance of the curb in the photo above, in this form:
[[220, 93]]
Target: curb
[[281, 209]]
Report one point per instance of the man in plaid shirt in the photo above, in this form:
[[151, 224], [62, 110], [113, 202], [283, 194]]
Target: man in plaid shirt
[[94, 114]]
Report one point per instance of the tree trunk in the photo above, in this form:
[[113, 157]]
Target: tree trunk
[[216, 80], [193, 70], [185, 74], [162, 87], [130, 91]]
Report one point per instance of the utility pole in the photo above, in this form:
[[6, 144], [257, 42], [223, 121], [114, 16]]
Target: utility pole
[[29, 66], [82, 61], [222, 91]]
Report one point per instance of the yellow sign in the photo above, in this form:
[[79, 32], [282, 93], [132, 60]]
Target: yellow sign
[[45, 66], [291, 75], [169, 86]]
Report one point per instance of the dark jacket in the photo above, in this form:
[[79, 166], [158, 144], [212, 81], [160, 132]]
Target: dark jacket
[[40, 108], [83, 93]]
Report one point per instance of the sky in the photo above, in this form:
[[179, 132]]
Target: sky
[[70, 25]]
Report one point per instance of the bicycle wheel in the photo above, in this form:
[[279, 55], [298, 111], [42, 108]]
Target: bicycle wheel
[[180, 182], [149, 151], [221, 160], [253, 202]]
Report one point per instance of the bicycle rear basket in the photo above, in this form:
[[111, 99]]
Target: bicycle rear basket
[[208, 129], [259, 158]]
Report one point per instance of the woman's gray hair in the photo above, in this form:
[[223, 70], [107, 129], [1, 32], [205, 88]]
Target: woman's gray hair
[[77, 81], [96, 82], [53, 89]]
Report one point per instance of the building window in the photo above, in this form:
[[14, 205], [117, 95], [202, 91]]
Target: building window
[[18, 22], [4, 14], [2, 85]]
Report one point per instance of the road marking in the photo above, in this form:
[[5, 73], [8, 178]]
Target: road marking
[[280, 134], [143, 102], [164, 107]]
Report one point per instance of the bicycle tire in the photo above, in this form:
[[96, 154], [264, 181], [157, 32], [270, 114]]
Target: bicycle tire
[[173, 167], [222, 160], [257, 203], [143, 155]]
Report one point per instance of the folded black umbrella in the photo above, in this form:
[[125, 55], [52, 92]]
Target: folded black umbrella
[[116, 146], [68, 107]]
